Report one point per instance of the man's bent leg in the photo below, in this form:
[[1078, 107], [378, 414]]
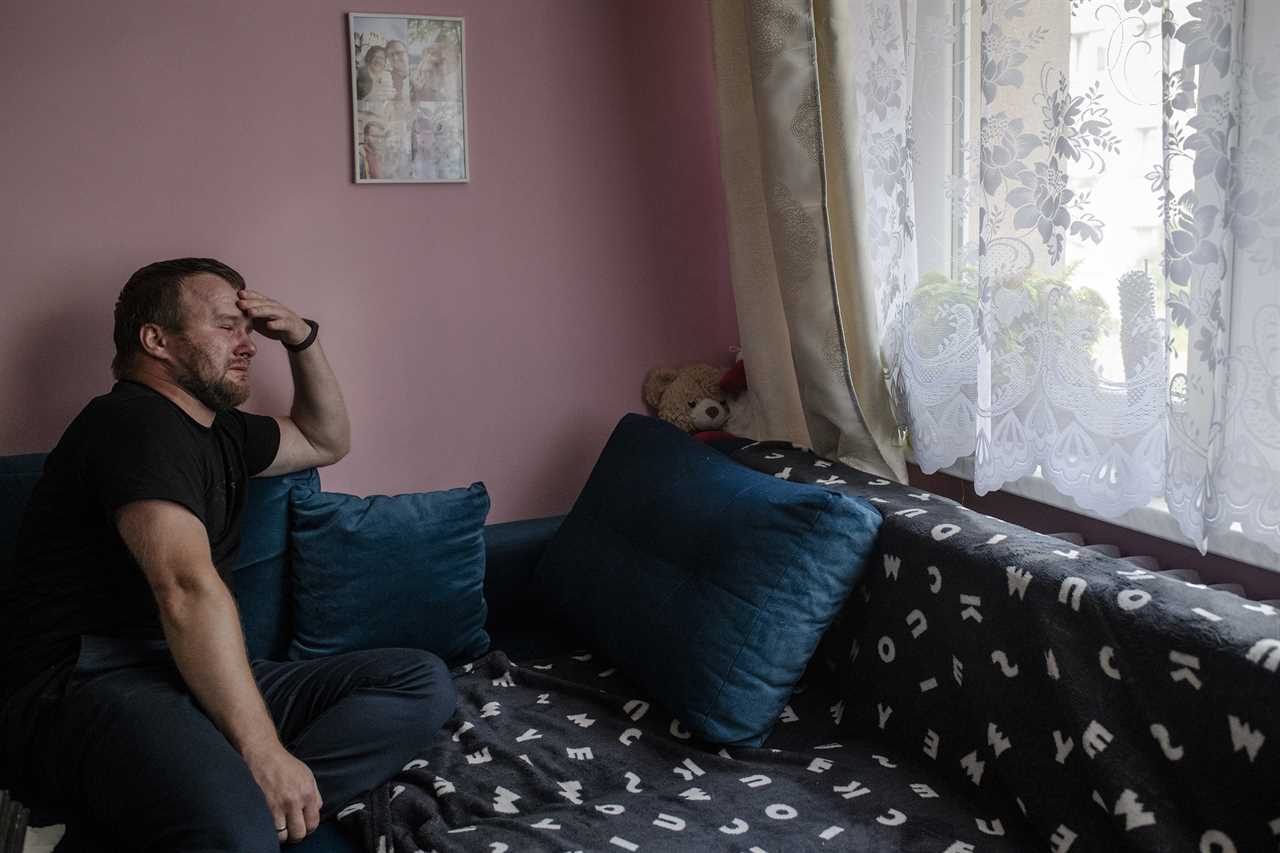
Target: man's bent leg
[[357, 718], [132, 750]]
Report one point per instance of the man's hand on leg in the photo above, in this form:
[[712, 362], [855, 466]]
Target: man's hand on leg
[[290, 788]]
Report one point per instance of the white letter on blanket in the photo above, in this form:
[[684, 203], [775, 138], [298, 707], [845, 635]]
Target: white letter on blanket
[[944, 531], [1161, 734], [1072, 588], [852, 790], [670, 822], [891, 566], [1131, 807], [1133, 599], [688, 770], [1243, 737], [1106, 658], [936, 586], [1184, 672], [1000, 659], [995, 827], [504, 801], [996, 740], [1215, 841], [1096, 738], [1019, 580], [629, 737], [636, 709], [1266, 653], [738, 827], [1062, 839], [1063, 747], [931, 743], [917, 623]]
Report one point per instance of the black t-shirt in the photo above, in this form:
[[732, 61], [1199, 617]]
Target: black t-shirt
[[73, 574]]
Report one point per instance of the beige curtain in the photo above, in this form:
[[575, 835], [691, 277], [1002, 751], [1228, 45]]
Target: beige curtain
[[807, 321]]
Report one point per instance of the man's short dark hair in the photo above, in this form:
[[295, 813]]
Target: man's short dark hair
[[153, 294]]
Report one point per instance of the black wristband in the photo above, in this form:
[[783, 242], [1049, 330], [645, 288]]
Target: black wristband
[[311, 338]]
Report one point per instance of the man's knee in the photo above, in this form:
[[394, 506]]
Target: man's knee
[[423, 677]]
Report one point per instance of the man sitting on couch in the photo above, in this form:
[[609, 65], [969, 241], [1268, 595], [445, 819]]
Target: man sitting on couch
[[125, 689]]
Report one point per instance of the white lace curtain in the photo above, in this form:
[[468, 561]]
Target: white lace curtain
[[1089, 284]]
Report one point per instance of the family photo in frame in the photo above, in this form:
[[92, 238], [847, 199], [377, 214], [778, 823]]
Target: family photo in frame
[[408, 99]]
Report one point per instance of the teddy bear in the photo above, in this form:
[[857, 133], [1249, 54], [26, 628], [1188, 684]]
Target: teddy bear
[[689, 397], [700, 398]]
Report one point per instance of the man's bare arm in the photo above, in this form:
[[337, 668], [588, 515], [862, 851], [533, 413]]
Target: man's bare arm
[[317, 431], [202, 627]]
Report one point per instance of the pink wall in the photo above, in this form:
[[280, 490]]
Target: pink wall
[[494, 330]]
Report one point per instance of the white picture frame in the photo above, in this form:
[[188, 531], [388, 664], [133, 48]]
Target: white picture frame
[[408, 99]]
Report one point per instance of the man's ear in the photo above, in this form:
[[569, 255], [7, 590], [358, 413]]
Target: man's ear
[[155, 340]]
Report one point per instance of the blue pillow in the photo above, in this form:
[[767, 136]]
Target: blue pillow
[[708, 583], [380, 572], [261, 575]]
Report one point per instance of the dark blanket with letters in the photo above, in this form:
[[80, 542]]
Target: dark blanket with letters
[[986, 688], [1117, 708], [564, 755]]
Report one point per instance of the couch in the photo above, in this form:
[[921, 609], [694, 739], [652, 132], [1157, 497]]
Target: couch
[[983, 688]]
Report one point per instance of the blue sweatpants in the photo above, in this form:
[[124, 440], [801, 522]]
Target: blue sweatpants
[[128, 746]]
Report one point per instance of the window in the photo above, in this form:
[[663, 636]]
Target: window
[[1096, 317]]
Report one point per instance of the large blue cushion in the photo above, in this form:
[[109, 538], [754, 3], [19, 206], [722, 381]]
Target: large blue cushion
[[708, 583], [379, 572]]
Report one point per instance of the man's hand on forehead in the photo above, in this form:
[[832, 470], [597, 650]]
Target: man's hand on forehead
[[270, 318]]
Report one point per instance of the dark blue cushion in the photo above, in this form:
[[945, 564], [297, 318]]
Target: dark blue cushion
[[708, 583], [260, 577], [404, 571]]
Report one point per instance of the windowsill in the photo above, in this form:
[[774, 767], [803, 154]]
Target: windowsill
[[1153, 519]]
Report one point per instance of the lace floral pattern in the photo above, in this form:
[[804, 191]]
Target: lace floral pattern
[[1150, 375]]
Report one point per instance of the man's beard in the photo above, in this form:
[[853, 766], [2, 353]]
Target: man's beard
[[203, 381]]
